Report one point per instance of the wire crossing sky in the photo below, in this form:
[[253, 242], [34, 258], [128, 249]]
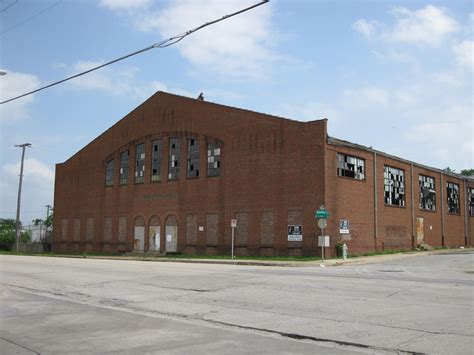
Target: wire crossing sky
[[163, 44]]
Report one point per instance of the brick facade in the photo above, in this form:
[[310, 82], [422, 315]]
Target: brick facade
[[272, 173]]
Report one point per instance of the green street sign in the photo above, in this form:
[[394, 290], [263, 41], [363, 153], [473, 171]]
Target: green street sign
[[321, 214]]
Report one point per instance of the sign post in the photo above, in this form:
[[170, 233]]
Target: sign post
[[322, 215], [233, 224]]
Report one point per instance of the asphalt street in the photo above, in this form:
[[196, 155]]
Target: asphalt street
[[422, 304]]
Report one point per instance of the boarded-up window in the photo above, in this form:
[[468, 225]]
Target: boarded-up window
[[154, 233], [64, 227], [295, 220], [122, 229], [139, 233], [242, 230], [77, 229], [191, 229], [107, 229], [212, 229], [90, 228], [267, 229]]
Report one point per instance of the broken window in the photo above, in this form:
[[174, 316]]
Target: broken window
[[427, 193], [156, 160], [193, 158], [452, 191], [213, 160], [394, 186], [173, 170], [140, 163], [124, 168], [470, 200], [350, 166], [109, 173]]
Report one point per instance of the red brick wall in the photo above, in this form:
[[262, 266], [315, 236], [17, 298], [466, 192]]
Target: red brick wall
[[267, 163]]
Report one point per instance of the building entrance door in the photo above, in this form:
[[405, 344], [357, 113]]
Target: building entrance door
[[139, 234], [420, 231], [171, 234], [154, 234]]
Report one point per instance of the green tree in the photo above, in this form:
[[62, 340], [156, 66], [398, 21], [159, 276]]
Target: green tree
[[8, 232], [467, 172], [48, 222], [449, 170]]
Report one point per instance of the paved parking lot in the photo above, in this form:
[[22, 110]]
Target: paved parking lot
[[56, 305]]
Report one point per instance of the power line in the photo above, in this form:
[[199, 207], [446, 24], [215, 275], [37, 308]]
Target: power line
[[6, 8], [165, 43], [31, 17]]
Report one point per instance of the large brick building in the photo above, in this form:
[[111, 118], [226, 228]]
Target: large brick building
[[171, 175]]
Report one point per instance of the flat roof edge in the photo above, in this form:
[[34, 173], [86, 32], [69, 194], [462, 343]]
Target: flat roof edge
[[340, 142]]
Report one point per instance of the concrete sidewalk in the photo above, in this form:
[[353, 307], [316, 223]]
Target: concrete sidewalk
[[283, 263]]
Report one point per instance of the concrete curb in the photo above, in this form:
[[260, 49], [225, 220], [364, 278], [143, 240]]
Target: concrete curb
[[314, 263]]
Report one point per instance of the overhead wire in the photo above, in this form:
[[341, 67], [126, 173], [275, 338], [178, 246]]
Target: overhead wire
[[7, 7], [163, 44], [31, 17]]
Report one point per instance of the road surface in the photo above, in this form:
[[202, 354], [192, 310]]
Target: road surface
[[422, 304]]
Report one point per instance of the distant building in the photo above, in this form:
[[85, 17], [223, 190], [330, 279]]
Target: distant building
[[171, 175]]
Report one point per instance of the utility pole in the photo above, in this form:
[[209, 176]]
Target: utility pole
[[23, 146]]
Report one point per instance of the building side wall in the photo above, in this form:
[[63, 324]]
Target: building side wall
[[391, 227], [267, 165]]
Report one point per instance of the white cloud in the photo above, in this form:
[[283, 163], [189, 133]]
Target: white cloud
[[32, 168], [430, 26], [366, 28], [118, 5], [114, 81], [464, 53], [238, 46], [366, 97], [447, 135], [13, 84]]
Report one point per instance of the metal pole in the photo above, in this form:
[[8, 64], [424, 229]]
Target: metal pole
[[17, 229], [233, 243], [46, 229], [322, 247]]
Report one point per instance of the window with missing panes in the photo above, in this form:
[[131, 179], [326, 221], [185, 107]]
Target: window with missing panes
[[470, 200], [193, 158], [213, 160], [350, 166], [140, 163], [427, 193], [173, 169], [394, 186], [124, 168], [109, 173], [156, 160], [452, 193]]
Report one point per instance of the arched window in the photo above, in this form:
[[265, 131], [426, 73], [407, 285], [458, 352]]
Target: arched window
[[138, 233], [154, 238], [171, 234]]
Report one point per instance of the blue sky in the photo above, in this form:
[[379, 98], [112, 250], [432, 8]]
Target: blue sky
[[394, 75]]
